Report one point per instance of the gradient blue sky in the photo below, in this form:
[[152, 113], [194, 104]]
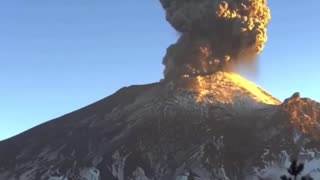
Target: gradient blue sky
[[59, 55]]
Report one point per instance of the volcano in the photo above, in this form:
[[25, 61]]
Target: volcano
[[213, 127]]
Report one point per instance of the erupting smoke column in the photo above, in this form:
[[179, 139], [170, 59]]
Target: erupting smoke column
[[214, 34]]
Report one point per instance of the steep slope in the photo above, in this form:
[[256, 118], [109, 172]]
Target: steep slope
[[210, 127]]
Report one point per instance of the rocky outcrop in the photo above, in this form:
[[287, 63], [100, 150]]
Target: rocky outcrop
[[304, 113]]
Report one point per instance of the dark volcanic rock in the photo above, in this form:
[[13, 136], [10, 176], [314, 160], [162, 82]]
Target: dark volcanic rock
[[213, 127]]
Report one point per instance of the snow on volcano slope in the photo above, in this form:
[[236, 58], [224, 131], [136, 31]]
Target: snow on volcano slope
[[209, 127]]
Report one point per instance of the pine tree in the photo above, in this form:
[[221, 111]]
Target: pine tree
[[295, 170]]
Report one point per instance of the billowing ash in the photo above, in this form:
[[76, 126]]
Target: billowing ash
[[214, 33]]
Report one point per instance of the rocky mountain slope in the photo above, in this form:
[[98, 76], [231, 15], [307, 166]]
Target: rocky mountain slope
[[219, 127]]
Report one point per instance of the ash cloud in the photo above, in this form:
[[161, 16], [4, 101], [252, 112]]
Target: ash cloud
[[214, 34]]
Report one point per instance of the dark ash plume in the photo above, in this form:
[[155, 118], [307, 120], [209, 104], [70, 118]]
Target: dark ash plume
[[215, 33]]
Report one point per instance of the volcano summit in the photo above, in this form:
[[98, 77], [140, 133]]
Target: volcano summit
[[219, 126], [201, 122]]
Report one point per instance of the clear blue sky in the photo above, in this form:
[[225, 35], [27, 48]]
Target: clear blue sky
[[59, 55]]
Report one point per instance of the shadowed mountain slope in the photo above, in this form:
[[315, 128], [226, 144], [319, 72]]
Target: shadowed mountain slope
[[219, 126]]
